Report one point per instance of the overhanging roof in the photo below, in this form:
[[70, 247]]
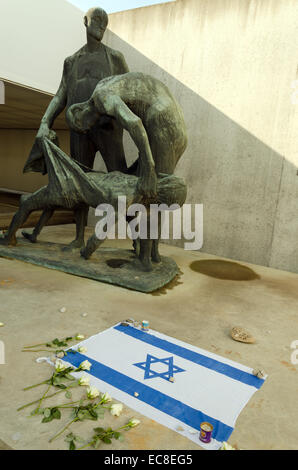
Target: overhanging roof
[[24, 108]]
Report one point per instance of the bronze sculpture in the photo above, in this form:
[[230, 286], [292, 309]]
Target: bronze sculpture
[[97, 111], [70, 187], [81, 73]]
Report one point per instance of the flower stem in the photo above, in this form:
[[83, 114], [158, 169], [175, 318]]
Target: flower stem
[[36, 385], [39, 350], [35, 345], [49, 396], [43, 397], [62, 430], [66, 405]]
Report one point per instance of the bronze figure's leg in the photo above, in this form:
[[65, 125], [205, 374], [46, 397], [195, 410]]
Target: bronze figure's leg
[[82, 151], [93, 243], [110, 144], [28, 204], [44, 218]]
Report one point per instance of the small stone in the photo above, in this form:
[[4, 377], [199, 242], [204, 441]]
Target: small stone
[[60, 355], [171, 379], [1, 324], [62, 310], [84, 315], [260, 373], [136, 394], [239, 334]]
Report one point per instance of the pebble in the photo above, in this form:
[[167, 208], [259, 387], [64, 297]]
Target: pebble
[[239, 334], [259, 373], [84, 315], [171, 379], [136, 394], [62, 310], [1, 324]]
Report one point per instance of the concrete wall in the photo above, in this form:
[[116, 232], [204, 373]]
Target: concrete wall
[[14, 151], [230, 64], [36, 36]]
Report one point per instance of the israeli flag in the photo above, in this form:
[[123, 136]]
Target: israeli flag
[[176, 384]]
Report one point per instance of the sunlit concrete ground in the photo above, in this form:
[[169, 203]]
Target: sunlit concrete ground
[[198, 309]]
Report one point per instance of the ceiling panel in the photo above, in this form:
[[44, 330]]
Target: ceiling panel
[[24, 108]]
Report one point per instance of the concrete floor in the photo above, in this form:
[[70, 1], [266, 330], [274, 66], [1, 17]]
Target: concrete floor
[[198, 309]]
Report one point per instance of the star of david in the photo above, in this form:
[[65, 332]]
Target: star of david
[[150, 373]]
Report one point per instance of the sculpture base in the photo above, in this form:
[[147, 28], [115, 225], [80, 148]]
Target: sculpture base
[[109, 265]]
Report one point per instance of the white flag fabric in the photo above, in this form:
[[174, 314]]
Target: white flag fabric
[[174, 383]]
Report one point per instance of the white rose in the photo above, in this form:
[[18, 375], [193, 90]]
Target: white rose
[[133, 423], [82, 349], [85, 365], [59, 366], [78, 337], [92, 392], [106, 398], [116, 409], [84, 380]]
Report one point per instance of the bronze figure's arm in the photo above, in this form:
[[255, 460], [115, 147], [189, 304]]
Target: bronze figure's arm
[[55, 107], [133, 124]]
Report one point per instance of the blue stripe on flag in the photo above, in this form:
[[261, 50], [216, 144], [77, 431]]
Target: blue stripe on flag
[[152, 397], [192, 356]]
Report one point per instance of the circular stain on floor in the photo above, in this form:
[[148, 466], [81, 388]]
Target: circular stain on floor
[[226, 270], [116, 263]]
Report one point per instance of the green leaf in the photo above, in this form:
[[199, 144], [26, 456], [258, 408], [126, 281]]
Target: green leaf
[[62, 386], [82, 415], [117, 435], [93, 413], [69, 377], [56, 413], [106, 440], [99, 430], [69, 437], [47, 420], [72, 445], [68, 394]]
